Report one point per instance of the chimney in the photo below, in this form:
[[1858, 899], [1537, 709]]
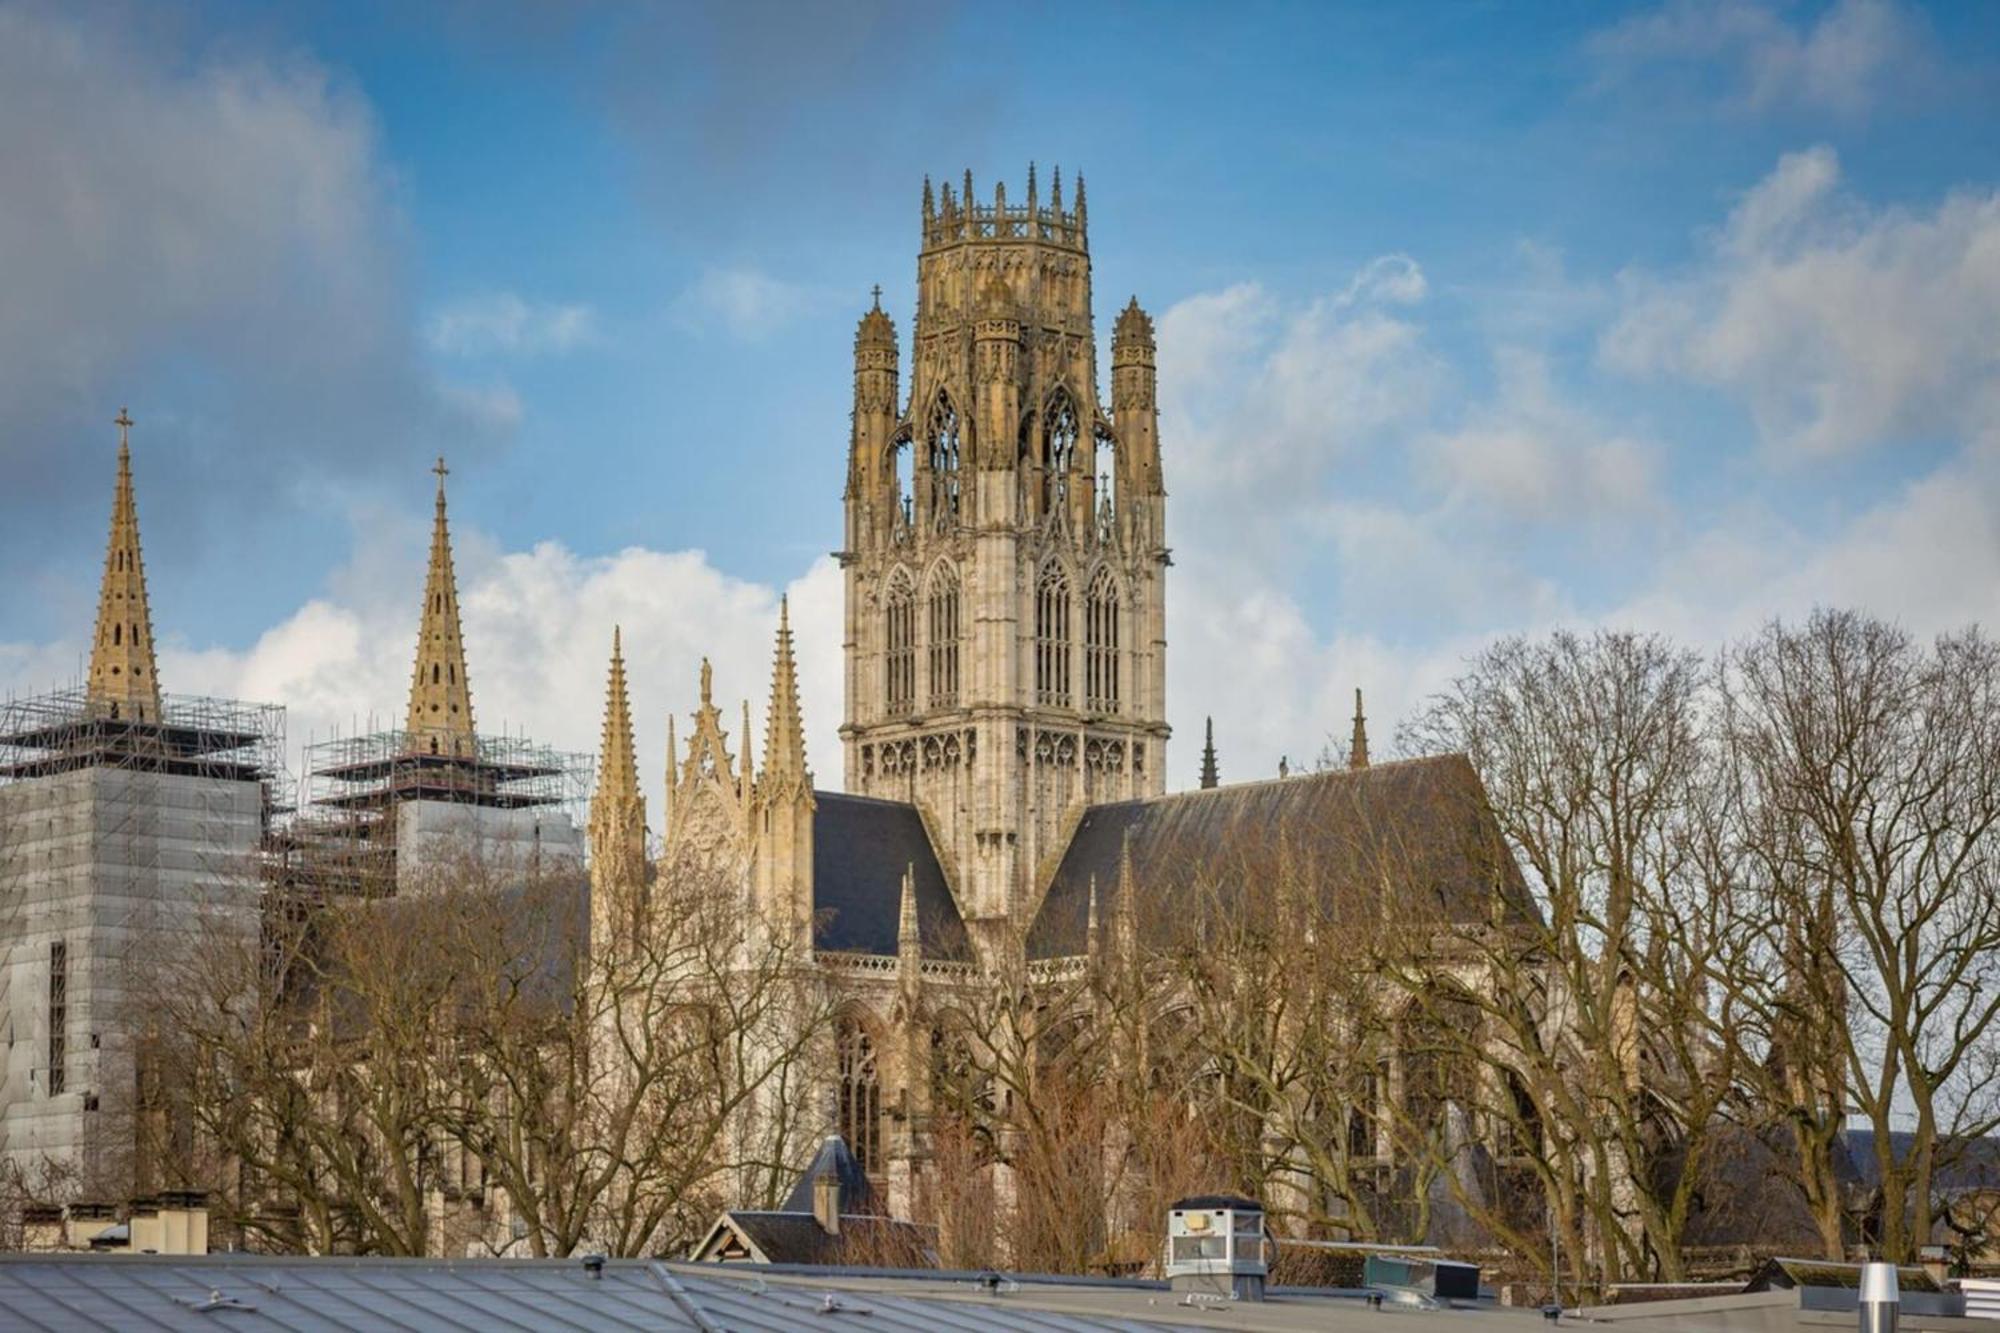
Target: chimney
[[826, 1202]]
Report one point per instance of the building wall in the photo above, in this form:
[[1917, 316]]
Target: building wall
[[113, 865], [437, 837]]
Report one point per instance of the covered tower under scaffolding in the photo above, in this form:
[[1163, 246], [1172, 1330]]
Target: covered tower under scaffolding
[[131, 826], [387, 812]]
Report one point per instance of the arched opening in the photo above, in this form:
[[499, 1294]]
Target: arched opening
[[900, 640], [117, 634], [941, 615], [860, 1093], [1100, 645], [902, 465], [1059, 438], [942, 439], [1052, 638]]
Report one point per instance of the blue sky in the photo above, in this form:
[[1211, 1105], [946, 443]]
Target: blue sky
[[1475, 319]]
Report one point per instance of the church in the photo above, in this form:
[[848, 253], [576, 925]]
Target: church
[[1003, 810]]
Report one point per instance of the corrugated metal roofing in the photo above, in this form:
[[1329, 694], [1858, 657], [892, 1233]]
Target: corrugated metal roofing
[[245, 1294]]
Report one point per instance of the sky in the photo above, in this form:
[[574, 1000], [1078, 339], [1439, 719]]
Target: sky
[[1474, 319]]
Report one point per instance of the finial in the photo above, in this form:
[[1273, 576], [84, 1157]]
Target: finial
[[1284, 766], [1357, 750], [876, 292], [707, 682], [785, 599], [442, 472], [1000, 194], [1210, 775], [1031, 184], [968, 187], [1079, 193], [929, 207], [124, 424], [617, 640], [1055, 189]]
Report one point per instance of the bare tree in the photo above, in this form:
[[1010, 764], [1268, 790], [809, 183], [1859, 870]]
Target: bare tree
[[1871, 767]]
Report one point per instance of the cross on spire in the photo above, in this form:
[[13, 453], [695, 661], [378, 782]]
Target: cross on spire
[[876, 290], [124, 424], [442, 471]]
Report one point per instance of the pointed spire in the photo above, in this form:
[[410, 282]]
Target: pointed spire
[[1092, 935], [1357, 749], [784, 726], [1080, 210], [1125, 912], [123, 683], [909, 939], [440, 718], [930, 205], [617, 816], [1210, 777], [1032, 198], [1055, 189], [749, 762], [617, 765]]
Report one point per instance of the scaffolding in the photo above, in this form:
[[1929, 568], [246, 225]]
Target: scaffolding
[[117, 836], [344, 839]]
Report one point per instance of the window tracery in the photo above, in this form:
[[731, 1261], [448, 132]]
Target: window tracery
[[1059, 437], [860, 1096], [1100, 660], [943, 438], [900, 658], [1052, 638], [942, 615]]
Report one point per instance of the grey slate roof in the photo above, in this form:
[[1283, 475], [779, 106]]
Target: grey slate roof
[[860, 848], [856, 1194], [1420, 822]]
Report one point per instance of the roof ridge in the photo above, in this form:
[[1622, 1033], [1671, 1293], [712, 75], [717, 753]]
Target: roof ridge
[[1329, 774]]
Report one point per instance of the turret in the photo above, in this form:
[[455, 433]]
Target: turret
[[871, 472], [1134, 401]]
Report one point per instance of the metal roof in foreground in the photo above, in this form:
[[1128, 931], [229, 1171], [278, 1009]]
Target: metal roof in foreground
[[254, 1294]]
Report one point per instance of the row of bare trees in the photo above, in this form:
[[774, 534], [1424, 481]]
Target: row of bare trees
[[400, 1075], [1742, 905]]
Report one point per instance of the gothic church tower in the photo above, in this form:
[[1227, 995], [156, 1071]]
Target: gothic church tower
[[1005, 550]]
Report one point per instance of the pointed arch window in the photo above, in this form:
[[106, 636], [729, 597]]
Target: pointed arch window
[[900, 657], [1100, 644], [1059, 437], [941, 615], [860, 1096], [943, 437], [1052, 638]]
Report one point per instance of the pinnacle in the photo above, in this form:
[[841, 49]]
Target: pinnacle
[[784, 727], [440, 717], [1357, 749], [618, 768], [123, 680]]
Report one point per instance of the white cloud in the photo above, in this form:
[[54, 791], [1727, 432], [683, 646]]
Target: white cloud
[[1854, 56], [501, 323], [1841, 326], [745, 303], [1531, 454], [218, 230]]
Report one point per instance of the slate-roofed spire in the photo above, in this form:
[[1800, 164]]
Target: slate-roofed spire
[[440, 720], [1357, 748], [784, 726], [1210, 776], [123, 683]]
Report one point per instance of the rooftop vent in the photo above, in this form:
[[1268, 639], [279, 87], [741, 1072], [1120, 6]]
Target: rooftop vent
[[1215, 1247]]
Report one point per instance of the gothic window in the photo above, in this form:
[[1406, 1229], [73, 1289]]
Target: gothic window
[[942, 613], [1052, 638], [943, 435], [58, 1016], [901, 640], [1100, 644], [860, 1096], [1059, 436]]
